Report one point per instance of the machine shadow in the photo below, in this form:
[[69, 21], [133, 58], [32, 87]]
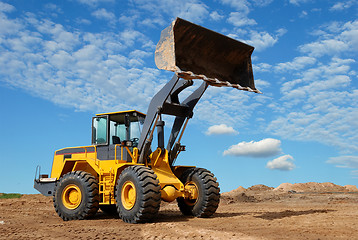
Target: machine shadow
[[290, 213], [171, 216]]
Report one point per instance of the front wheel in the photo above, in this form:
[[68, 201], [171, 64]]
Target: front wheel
[[207, 192], [76, 196], [138, 194]]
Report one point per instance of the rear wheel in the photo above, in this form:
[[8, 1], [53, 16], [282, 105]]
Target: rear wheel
[[206, 191], [138, 194], [76, 196]]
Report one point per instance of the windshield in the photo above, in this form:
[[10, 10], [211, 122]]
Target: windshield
[[121, 131]]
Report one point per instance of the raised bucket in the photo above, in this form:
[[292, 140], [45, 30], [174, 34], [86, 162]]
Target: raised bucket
[[194, 52]]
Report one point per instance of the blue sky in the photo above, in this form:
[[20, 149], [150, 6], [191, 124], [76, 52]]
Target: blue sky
[[63, 61]]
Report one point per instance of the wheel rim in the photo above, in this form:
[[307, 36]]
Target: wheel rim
[[128, 195], [71, 196], [192, 188]]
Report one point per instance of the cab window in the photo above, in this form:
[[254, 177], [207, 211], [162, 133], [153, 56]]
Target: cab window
[[99, 131]]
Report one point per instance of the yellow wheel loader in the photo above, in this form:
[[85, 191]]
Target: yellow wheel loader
[[119, 172]]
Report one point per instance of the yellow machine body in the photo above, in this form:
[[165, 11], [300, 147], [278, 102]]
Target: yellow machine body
[[85, 158]]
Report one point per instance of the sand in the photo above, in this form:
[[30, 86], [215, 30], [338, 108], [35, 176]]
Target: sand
[[259, 212]]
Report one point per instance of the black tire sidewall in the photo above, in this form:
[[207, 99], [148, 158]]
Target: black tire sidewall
[[207, 201], [67, 180], [129, 175], [197, 207]]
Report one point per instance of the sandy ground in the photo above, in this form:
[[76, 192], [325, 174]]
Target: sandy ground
[[255, 213]]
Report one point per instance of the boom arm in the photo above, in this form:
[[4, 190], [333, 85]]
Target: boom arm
[[166, 101]]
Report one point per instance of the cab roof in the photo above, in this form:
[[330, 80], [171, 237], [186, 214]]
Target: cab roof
[[119, 117], [122, 112]]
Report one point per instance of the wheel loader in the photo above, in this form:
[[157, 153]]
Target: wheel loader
[[122, 172]]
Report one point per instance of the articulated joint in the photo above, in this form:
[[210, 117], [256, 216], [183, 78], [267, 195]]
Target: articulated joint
[[169, 193]]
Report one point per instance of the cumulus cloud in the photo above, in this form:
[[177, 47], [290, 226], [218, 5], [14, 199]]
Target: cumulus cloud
[[220, 130], [342, 5], [262, 3], [283, 163], [239, 5], [344, 161], [334, 39], [318, 99], [298, 2], [216, 16], [78, 69], [239, 19], [298, 63], [191, 10], [104, 14], [94, 3], [4, 7], [265, 148], [262, 40], [324, 47]]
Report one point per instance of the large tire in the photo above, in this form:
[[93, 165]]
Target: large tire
[[208, 193], [76, 196], [137, 194]]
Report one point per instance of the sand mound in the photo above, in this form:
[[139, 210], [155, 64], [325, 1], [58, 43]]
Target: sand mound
[[234, 192], [351, 188], [312, 187], [260, 187], [260, 192]]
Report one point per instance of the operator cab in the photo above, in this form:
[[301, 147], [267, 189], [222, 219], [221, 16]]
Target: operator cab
[[110, 129]]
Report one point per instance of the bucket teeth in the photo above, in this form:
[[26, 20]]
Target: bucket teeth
[[194, 52]]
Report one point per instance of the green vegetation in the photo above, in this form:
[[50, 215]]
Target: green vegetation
[[9, 195]]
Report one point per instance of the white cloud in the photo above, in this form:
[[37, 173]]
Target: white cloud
[[261, 40], [94, 3], [261, 84], [262, 67], [191, 10], [220, 130], [262, 3], [238, 19], [283, 163], [77, 69], [194, 12], [298, 2], [281, 31], [340, 6], [239, 5], [264, 148], [324, 47], [4, 7], [326, 117], [334, 39], [298, 63], [216, 16], [224, 104], [331, 76], [104, 14], [9, 26], [344, 161]]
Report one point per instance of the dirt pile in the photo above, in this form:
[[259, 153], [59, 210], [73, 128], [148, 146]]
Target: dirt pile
[[260, 192], [351, 188], [234, 192], [260, 187], [315, 187]]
